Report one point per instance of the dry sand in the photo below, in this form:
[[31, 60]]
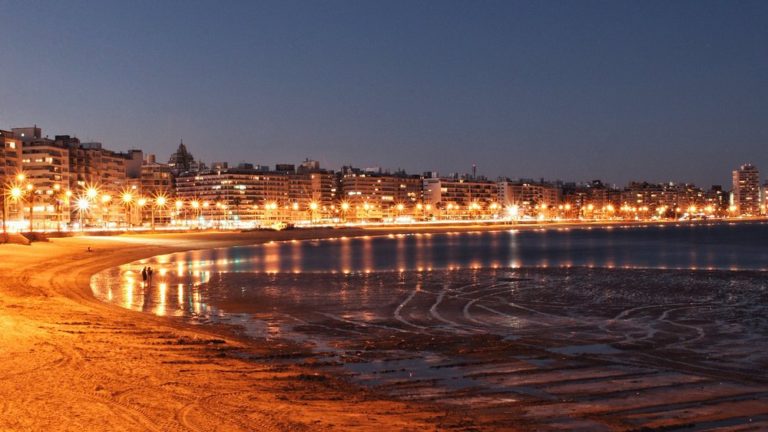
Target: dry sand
[[70, 362]]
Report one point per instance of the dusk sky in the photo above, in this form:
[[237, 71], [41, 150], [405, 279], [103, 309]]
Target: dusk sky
[[571, 90]]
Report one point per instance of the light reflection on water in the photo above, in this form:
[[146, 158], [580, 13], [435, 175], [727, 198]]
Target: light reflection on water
[[714, 246]]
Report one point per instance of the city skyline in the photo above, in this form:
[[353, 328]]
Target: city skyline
[[65, 183], [617, 91], [473, 170]]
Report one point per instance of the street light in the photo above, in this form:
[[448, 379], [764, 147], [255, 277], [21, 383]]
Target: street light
[[91, 192], [160, 201], [31, 189], [82, 204], [127, 199]]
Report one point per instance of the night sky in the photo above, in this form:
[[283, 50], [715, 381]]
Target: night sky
[[572, 90]]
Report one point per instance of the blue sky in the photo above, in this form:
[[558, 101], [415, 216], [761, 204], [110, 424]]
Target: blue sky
[[570, 90]]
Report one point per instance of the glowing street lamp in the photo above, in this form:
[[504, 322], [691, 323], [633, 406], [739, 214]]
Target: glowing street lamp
[[160, 201], [312, 210], [513, 211], [91, 193], [344, 210], [82, 204], [127, 199], [17, 192]]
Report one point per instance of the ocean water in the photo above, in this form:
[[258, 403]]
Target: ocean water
[[456, 317], [179, 276]]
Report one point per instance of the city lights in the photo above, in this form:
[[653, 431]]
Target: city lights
[[157, 197]]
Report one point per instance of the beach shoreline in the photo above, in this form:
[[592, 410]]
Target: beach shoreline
[[73, 362]]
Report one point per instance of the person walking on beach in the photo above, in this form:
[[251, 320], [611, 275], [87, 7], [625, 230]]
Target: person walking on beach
[[144, 276], [149, 274]]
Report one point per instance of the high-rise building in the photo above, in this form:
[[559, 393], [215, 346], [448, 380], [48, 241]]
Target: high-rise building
[[46, 168], [531, 198], [156, 179], [461, 198], [746, 191], [10, 156], [371, 195], [10, 166]]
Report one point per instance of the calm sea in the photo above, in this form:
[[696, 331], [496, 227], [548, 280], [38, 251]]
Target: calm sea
[[717, 246]]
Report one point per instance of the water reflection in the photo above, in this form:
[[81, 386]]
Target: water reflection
[[716, 246]]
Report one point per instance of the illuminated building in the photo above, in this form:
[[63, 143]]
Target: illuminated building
[[461, 198], [589, 200], [10, 156], [46, 167], [746, 191], [376, 195], [236, 194], [10, 166], [532, 198], [312, 192], [156, 178]]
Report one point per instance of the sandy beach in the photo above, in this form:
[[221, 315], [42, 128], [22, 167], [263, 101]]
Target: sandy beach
[[71, 362]]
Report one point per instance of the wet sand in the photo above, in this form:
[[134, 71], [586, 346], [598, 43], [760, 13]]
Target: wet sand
[[558, 348], [70, 362]]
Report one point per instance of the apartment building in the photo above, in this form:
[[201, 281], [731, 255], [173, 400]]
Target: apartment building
[[746, 191]]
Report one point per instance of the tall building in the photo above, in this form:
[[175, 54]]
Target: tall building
[[312, 190], [46, 168], [156, 178], [10, 156], [461, 198], [373, 196], [531, 198], [10, 166], [231, 195], [746, 191], [587, 200]]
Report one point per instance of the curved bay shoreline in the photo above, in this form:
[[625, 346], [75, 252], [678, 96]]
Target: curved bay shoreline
[[70, 362]]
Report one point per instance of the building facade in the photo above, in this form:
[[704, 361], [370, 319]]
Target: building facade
[[746, 191]]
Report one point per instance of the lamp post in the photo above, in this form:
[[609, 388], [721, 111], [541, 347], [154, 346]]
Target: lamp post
[[344, 210], [31, 191], [312, 211], [105, 200], [196, 207], [141, 202], [83, 204], [179, 204], [160, 202], [127, 199]]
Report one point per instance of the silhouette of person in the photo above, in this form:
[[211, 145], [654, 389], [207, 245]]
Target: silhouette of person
[[144, 275]]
